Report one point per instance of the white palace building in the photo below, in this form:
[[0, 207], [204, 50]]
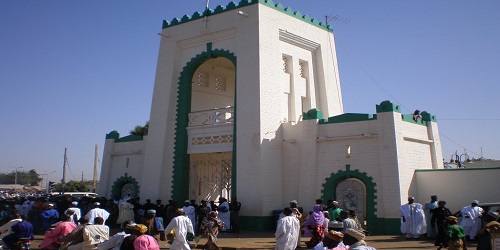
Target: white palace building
[[247, 104]]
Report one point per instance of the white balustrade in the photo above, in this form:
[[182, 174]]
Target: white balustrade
[[211, 117]]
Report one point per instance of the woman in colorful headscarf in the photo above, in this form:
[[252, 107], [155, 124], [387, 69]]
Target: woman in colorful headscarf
[[210, 227], [314, 224]]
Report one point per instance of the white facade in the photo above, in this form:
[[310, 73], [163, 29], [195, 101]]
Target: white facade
[[243, 87]]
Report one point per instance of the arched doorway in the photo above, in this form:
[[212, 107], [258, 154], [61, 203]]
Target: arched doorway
[[353, 189], [193, 97], [123, 186], [351, 194]]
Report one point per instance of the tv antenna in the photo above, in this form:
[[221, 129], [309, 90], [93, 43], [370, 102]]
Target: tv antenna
[[336, 19]]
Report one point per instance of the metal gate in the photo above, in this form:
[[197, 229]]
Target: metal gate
[[210, 179], [351, 194]]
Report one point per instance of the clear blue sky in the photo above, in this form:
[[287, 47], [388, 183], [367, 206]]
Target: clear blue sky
[[72, 71]]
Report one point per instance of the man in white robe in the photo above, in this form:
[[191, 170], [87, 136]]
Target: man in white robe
[[97, 212], [287, 231], [428, 208], [190, 211], [224, 214], [412, 219], [181, 225], [471, 219], [77, 213], [125, 212]]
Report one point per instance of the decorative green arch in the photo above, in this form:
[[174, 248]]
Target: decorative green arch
[[180, 172], [120, 182], [335, 178]]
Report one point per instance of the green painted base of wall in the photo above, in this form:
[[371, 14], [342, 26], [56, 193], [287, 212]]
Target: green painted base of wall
[[268, 223], [385, 227], [259, 224]]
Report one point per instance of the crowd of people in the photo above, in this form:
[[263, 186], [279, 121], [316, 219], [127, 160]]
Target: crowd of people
[[84, 223], [327, 227], [437, 222]]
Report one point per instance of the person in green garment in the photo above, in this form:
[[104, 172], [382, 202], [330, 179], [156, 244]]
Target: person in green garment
[[334, 210], [456, 234]]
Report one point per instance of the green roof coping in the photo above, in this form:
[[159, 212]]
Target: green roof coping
[[312, 114], [409, 118], [130, 138], [387, 106], [456, 169], [116, 136], [243, 3], [426, 116], [349, 117], [113, 135]]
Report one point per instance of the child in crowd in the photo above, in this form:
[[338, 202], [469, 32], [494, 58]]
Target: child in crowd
[[456, 234]]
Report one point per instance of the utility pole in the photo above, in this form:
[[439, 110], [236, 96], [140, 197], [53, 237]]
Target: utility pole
[[96, 159], [63, 181], [41, 182], [15, 178]]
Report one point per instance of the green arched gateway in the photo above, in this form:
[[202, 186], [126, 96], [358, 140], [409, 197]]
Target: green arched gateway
[[116, 189], [180, 175], [375, 225]]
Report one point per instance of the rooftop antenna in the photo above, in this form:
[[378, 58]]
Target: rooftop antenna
[[337, 19], [207, 10]]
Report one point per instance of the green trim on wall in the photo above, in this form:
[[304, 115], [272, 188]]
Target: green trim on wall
[[180, 172], [118, 184], [258, 223], [116, 136], [330, 185], [113, 135], [456, 169], [312, 114], [130, 138], [387, 106], [409, 118], [233, 6], [426, 116], [387, 226], [349, 117]]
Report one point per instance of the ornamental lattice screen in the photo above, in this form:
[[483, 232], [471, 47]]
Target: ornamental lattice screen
[[351, 194], [210, 179]]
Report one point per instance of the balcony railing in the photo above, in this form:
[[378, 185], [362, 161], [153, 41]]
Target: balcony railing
[[211, 117]]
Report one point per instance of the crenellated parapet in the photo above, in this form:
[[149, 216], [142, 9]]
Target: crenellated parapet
[[233, 6], [114, 135], [383, 107]]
